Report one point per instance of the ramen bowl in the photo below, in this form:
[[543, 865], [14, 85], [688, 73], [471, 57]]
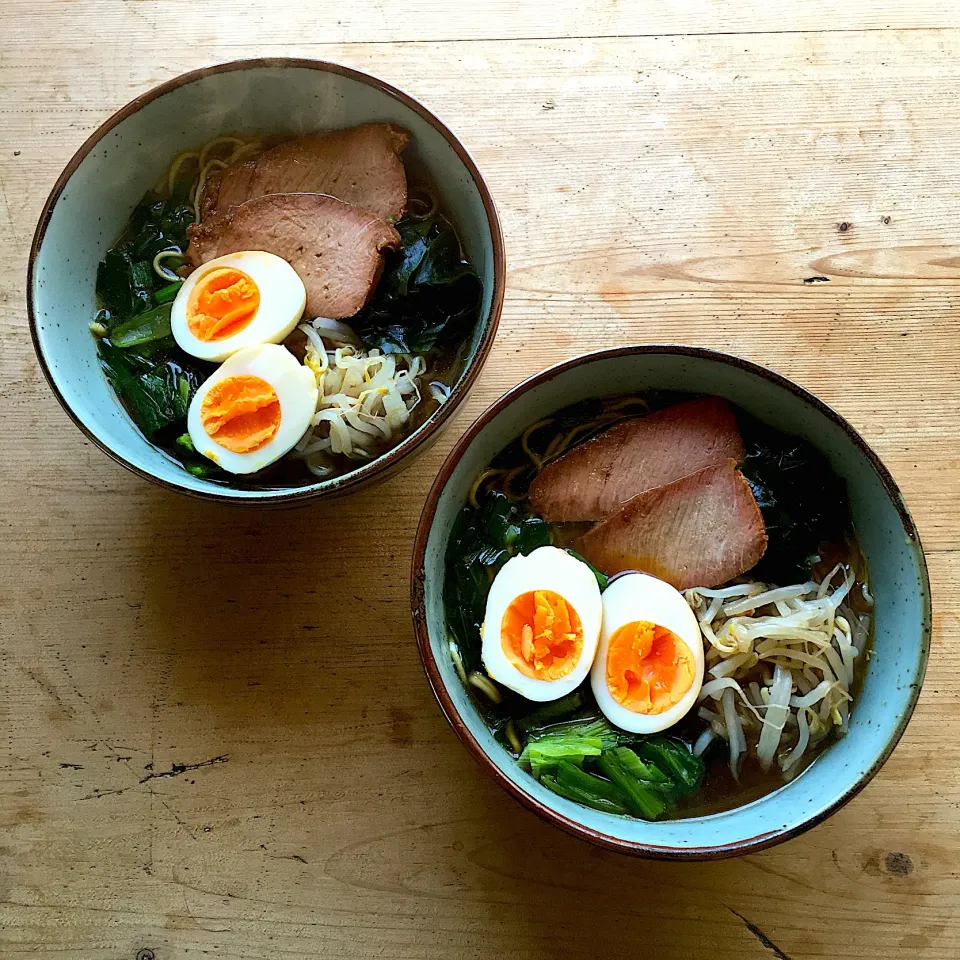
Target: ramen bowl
[[100, 186], [887, 538]]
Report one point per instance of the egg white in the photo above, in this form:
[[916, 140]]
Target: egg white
[[638, 596], [296, 389], [282, 301], [546, 568]]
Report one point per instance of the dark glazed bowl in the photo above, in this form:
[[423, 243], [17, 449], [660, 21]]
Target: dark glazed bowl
[[886, 533], [100, 186]]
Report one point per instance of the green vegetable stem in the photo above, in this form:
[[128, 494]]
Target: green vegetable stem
[[589, 761], [144, 328]]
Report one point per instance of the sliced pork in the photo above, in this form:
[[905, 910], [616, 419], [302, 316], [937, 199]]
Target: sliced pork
[[701, 530], [361, 166], [336, 249], [595, 478]]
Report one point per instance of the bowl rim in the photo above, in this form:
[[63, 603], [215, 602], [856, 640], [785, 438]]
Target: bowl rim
[[379, 466], [447, 706]]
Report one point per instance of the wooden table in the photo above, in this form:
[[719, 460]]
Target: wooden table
[[216, 737]]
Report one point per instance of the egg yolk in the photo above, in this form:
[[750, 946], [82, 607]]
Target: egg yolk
[[241, 413], [222, 303], [649, 668], [541, 635]]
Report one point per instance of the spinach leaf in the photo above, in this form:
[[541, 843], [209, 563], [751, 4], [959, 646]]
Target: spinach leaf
[[184, 450], [673, 758], [495, 518], [602, 579], [156, 391], [538, 721], [429, 293], [442, 263], [570, 740], [174, 222], [565, 787], [168, 293], [124, 285], [534, 532], [480, 543], [126, 282], [143, 328], [640, 797], [157, 224]]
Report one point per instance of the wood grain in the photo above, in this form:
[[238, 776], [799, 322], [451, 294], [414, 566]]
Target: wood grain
[[161, 26], [196, 757]]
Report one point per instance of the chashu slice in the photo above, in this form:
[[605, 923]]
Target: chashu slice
[[595, 478], [336, 249], [701, 530], [360, 165]]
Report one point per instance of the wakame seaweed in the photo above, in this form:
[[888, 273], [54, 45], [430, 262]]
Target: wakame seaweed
[[803, 502], [429, 293]]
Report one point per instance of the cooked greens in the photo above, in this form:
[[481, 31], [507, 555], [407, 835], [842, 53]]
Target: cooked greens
[[127, 284], [429, 294], [144, 328], [574, 740], [152, 377], [423, 307], [156, 389], [481, 542], [592, 762]]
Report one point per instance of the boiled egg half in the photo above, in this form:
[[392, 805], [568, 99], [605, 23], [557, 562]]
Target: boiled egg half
[[253, 408], [542, 624], [236, 301], [649, 665]]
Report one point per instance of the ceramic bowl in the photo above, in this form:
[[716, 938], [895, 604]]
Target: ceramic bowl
[[99, 188], [886, 533]]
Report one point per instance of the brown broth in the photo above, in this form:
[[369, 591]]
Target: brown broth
[[720, 790], [444, 365]]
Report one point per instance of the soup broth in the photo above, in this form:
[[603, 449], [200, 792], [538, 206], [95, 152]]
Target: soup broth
[[408, 342], [808, 538]]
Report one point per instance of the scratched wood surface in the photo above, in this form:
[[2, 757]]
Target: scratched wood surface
[[215, 737]]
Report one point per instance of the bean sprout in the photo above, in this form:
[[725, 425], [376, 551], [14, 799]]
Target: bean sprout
[[439, 391], [365, 398], [762, 644]]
